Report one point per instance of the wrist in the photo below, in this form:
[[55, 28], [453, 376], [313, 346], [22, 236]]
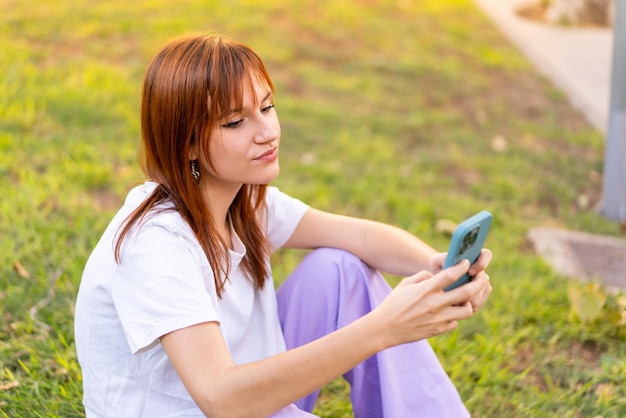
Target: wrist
[[378, 329]]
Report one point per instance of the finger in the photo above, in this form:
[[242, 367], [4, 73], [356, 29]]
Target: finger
[[468, 292], [482, 278], [416, 278], [448, 276], [459, 312], [481, 298], [464, 311], [481, 264], [474, 307], [436, 262]]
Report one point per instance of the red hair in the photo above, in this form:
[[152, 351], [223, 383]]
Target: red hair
[[188, 87]]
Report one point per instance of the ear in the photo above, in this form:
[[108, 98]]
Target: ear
[[193, 151]]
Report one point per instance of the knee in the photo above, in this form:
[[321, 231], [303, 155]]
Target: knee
[[333, 266], [331, 256], [331, 263]]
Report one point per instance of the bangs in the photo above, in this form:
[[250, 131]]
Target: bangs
[[234, 70]]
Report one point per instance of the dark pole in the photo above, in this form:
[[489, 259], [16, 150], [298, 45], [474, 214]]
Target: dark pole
[[613, 204]]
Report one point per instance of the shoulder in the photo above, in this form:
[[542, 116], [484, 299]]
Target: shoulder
[[283, 215], [163, 215], [275, 199], [159, 229]]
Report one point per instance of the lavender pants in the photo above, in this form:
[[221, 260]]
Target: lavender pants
[[332, 288]]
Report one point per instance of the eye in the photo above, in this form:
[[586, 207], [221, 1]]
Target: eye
[[267, 108], [234, 124]]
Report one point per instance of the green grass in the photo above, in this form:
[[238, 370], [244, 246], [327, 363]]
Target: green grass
[[390, 110]]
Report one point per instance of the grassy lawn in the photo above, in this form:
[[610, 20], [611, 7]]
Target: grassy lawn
[[408, 112]]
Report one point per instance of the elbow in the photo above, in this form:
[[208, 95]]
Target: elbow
[[217, 404], [212, 404]]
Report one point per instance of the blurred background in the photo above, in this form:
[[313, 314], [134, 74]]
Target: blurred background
[[417, 113]]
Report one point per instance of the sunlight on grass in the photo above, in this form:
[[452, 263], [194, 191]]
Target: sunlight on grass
[[407, 111]]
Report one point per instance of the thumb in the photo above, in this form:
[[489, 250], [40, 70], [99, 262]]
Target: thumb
[[436, 262], [451, 274]]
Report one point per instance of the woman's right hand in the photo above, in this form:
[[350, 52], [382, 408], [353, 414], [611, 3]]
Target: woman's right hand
[[418, 308]]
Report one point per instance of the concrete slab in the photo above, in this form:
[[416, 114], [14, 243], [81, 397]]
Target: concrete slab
[[583, 256]]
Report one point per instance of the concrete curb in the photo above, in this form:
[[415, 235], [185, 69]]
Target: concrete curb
[[583, 256]]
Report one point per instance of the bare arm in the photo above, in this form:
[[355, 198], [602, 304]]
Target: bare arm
[[416, 309], [381, 246]]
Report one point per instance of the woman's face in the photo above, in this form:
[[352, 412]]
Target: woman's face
[[244, 146]]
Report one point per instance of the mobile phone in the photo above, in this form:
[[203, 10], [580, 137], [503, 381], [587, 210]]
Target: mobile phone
[[466, 243]]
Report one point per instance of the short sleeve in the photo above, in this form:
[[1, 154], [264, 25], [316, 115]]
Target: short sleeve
[[283, 215], [159, 287]]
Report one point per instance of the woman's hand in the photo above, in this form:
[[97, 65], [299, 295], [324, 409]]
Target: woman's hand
[[478, 274], [418, 307], [476, 271]]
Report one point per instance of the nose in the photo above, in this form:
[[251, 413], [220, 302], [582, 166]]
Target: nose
[[269, 131]]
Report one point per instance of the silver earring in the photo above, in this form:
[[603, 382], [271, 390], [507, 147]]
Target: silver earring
[[195, 173]]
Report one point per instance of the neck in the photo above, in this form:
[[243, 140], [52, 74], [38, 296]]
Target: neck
[[219, 200]]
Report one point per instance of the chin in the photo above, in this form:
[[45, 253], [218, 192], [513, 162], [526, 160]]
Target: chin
[[262, 180], [270, 175]]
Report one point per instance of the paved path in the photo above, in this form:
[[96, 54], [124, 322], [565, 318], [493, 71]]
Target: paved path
[[577, 60]]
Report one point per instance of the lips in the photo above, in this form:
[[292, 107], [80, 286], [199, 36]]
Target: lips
[[269, 155]]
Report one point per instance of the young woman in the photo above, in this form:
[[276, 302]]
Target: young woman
[[177, 314]]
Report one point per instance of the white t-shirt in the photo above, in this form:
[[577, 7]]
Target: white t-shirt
[[164, 283]]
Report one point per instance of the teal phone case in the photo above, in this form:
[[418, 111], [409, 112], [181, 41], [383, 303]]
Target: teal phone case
[[467, 242]]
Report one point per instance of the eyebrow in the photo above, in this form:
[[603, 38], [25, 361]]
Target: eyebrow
[[267, 96]]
